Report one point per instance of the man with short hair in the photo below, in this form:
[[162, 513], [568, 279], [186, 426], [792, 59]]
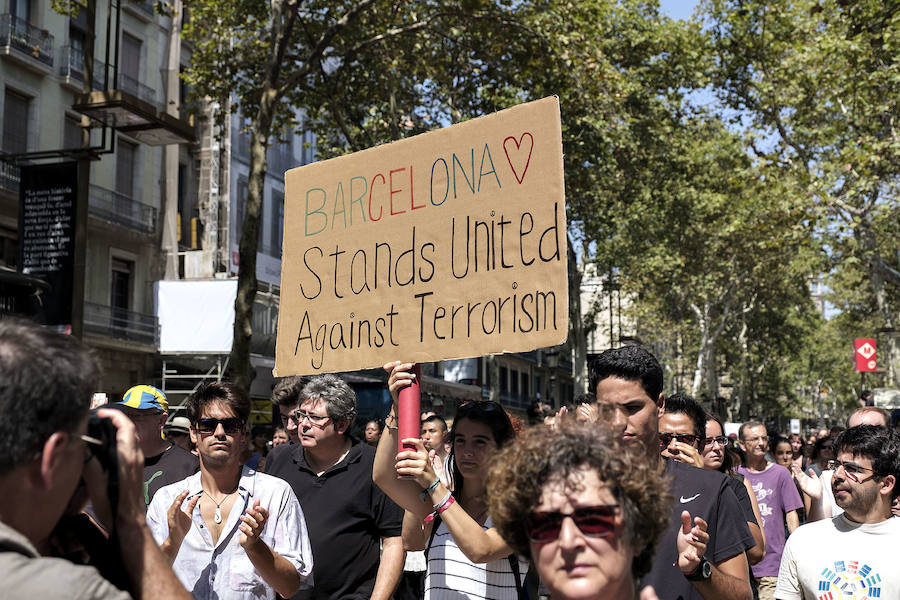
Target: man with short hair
[[164, 462], [852, 555], [331, 473], [284, 396], [821, 501], [778, 502], [231, 532], [178, 431], [627, 383], [434, 434], [46, 381]]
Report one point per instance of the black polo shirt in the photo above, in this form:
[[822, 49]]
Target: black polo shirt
[[346, 514], [708, 495]]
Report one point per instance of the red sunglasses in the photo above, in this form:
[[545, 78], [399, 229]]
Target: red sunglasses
[[592, 521]]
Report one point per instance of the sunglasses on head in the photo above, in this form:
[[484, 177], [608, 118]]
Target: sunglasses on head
[[485, 406], [208, 425], [685, 438], [592, 521]]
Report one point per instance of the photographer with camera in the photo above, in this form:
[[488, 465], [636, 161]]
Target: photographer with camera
[[46, 380]]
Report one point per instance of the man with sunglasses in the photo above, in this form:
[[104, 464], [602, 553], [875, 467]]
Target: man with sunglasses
[[627, 383], [354, 527], [164, 462], [778, 500], [852, 555], [46, 381], [231, 533]]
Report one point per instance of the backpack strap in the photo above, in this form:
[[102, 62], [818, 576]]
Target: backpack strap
[[521, 594], [434, 527]]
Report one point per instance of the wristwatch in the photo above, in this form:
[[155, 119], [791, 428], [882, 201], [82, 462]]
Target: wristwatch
[[702, 573]]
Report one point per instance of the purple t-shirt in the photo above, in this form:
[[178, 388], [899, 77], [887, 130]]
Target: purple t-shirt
[[776, 494]]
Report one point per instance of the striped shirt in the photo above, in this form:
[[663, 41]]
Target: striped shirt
[[452, 576]]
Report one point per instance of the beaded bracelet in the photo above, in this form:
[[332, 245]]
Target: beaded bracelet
[[429, 489], [438, 510]]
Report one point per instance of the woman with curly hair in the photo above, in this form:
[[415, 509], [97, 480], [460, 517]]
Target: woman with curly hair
[[586, 511]]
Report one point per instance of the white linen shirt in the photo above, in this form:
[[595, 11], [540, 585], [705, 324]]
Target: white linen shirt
[[223, 571]]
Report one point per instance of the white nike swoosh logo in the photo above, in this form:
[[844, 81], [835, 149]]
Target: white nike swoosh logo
[[686, 500]]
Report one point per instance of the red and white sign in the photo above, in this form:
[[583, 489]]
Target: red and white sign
[[866, 355]]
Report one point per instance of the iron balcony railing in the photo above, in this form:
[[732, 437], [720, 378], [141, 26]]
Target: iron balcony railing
[[136, 88], [9, 177], [71, 65], [119, 208], [121, 324], [19, 34]]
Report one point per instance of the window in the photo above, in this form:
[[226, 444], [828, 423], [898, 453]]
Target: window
[[126, 156], [240, 202], [277, 230], [130, 64], [15, 122], [525, 385], [120, 284], [514, 383], [9, 248], [504, 381], [20, 9], [71, 132]]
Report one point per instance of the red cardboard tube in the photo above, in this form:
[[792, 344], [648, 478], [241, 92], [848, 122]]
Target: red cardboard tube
[[408, 419]]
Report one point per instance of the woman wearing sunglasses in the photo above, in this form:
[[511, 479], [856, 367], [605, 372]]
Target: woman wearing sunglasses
[[466, 557], [587, 513]]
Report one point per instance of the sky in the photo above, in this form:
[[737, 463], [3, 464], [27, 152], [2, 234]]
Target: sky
[[678, 9]]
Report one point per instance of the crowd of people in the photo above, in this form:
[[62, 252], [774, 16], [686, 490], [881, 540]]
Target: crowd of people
[[631, 494]]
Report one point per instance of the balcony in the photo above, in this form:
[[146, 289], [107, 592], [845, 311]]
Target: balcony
[[9, 178], [121, 324], [122, 210], [29, 44], [137, 89], [71, 67]]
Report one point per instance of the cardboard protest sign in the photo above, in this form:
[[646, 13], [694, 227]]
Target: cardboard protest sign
[[449, 244]]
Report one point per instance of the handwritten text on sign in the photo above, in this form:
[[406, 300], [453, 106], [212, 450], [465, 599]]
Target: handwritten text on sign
[[446, 245]]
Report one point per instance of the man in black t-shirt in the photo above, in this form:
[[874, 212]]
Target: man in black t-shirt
[[627, 383], [164, 462], [354, 528]]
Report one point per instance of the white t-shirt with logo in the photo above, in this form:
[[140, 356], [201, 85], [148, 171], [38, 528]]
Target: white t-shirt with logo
[[837, 558]]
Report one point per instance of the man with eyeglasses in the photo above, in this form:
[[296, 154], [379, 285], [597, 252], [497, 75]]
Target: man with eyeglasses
[[818, 487], [164, 462], [354, 527], [627, 383], [286, 396], [46, 381], [778, 502], [231, 533], [852, 555]]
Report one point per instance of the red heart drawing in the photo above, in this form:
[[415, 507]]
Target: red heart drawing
[[519, 151]]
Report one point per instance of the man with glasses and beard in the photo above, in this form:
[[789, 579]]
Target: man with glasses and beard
[[852, 555], [355, 529], [230, 532]]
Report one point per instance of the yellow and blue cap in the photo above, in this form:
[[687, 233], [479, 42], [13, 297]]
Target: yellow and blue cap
[[145, 397]]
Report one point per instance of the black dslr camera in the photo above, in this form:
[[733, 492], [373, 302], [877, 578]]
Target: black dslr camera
[[103, 431]]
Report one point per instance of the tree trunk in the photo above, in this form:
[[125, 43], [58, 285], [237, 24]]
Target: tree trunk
[[241, 370], [705, 376], [577, 338]]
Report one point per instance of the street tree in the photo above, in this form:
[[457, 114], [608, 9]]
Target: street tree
[[818, 82]]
